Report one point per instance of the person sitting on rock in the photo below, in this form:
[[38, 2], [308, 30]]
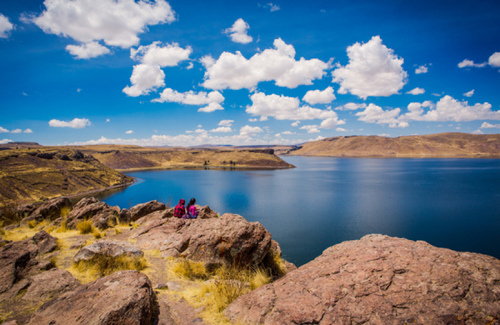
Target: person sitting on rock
[[191, 209], [179, 210]]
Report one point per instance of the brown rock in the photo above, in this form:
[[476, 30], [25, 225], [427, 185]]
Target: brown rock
[[107, 248], [143, 209], [155, 216], [45, 242], [124, 297], [49, 284], [379, 280], [206, 213], [51, 209], [100, 213], [228, 239]]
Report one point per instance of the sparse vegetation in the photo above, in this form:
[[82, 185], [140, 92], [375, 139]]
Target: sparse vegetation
[[188, 269], [105, 265], [85, 227], [31, 224]]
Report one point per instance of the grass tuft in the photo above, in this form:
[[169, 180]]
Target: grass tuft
[[189, 269], [85, 227], [31, 224], [65, 211], [101, 265]]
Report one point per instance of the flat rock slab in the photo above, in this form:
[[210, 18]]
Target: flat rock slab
[[108, 249], [379, 280], [124, 297], [228, 239]]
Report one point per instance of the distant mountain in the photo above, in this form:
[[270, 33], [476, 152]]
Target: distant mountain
[[443, 145]]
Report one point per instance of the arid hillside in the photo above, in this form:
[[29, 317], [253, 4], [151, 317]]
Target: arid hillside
[[444, 145], [134, 157], [33, 174]]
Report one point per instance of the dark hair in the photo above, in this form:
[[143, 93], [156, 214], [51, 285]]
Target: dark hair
[[191, 202]]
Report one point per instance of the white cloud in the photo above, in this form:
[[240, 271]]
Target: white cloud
[[76, 123], [350, 107], [450, 109], [273, 7], [87, 50], [236, 72], [165, 56], [238, 32], [4, 141], [28, 131], [373, 70], [129, 132], [469, 93], [5, 26], [416, 91], [148, 76], [319, 97], [212, 99], [340, 130], [375, 114], [16, 131], [288, 132], [421, 69], [478, 132], [310, 128], [250, 130], [468, 63], [108, 120], [296, 123], [222, 129], [487, 125], [226, 122], [3, 130], [115, 22], [494, 60], [145, 78], [285, 108], [331, 123]]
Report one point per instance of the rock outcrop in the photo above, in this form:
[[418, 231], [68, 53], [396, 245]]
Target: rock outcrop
[[380, 280], [124, 297], [107, 248], [50, 284], [228, 239], [101, 214], [143, 209]]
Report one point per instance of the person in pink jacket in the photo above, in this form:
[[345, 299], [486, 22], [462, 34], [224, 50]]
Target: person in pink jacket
[[191, 209]]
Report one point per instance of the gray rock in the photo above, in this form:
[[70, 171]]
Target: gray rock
[[124, 297], [107, 248], [379, 280]]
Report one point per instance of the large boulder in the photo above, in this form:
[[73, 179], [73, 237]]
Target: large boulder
[[49, 284], [101, 214], [124, 297], [379, 280], [107, 249], [18, 261], [144, 209], [49, 210], [228, 239]]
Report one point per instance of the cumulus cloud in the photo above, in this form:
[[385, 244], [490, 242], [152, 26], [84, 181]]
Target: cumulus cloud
[[416, 91], [148, 76], [319, 97], [4, 141], [28, 131], [238, 32], [375, 114], [226, 122], [331, 123], [222, 129], [88, 50], [115, 22], [350, 107], [248, 130], [16, 131], [470, 64], [487, 125], [76, 123], [450, 109], [3, 130], [469, 93], [212, 99], [285, 108], [296, 123], [129, 132], [234, 71], [373, 70], [494, 60], [421, 69], [272, 7], [310, 128], [5, 26]]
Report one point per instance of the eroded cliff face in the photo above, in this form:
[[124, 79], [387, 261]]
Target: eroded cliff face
[[29, 174], [380, 280]]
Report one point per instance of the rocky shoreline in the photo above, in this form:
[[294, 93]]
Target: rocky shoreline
[[377, 279]]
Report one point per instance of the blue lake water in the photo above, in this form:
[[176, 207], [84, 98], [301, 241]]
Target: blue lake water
[[452, 203]]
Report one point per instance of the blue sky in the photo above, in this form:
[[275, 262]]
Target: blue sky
[[245, 72]]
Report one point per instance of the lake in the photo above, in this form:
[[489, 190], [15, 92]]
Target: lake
[[452, 203]]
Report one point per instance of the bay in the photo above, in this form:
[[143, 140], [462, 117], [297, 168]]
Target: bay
[[452, 203]]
